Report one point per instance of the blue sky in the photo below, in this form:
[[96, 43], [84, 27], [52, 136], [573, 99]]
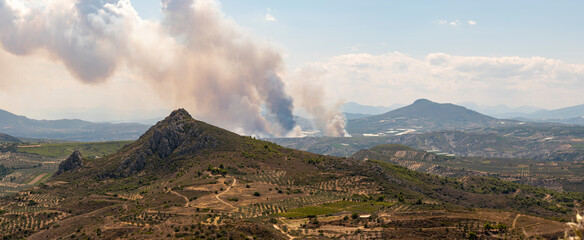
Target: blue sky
[[515, 53], [315, 30]]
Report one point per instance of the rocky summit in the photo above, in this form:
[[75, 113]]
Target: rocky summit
[[178, 134], [74, 161]]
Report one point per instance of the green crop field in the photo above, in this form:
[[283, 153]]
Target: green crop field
[[35, 164], [334, 207], [578, 147], [64, 149]]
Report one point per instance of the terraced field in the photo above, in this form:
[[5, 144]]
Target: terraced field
[[555, 175], [35, 163], [91, 150], [31, 212], [26, 170]]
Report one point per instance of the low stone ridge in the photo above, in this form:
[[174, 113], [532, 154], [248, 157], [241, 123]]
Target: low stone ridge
[[8, 138], [74, 161]]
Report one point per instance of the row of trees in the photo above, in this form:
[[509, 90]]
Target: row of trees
[[8, 147], [4, 171]]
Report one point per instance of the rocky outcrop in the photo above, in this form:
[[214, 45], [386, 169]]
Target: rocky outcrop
[[170, 137], [74, 161], [177, 135]]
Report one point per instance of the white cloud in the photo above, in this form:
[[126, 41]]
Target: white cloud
[[471, 22], [447, 22], [270, 18], [441, 21], [399, 78]]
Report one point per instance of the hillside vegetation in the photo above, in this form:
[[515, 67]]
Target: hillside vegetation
[[559, 176], [5, 138], [187, 179], [542, 142]]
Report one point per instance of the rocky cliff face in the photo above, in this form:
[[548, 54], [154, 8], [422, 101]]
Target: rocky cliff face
[[74, 161], [177, 135]]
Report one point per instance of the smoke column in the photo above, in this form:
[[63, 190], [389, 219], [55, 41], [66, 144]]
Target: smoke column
[[309, 96], [195, 57]]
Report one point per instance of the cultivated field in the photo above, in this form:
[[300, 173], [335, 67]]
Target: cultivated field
[[34, 163], [554, 175]]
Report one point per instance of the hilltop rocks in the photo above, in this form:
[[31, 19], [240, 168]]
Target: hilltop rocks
[[131, 165], [168, 134], [74, 161], [177, 135]]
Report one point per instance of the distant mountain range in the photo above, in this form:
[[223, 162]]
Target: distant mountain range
[[356, 108], [573, 115], [499, 110], [68, 129], [351, 116], [422, 116], [103, 114], [567, 115]]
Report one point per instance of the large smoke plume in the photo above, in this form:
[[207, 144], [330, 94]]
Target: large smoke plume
[[195, 57], [310, 97]]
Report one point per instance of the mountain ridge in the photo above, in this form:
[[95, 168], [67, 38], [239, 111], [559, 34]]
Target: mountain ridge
[[421, 116], [567, 115], [68, 129], [499, 110], [356, 108]]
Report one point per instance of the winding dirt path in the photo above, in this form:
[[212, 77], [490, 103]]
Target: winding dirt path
[[515, 220], [227, 190], [183, 196], [282, 231], [516, 192]]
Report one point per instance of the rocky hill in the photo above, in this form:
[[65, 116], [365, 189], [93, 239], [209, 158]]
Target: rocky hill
[[177, 135], [5, 138], [73, 162], [422, 116], [187, 179]]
